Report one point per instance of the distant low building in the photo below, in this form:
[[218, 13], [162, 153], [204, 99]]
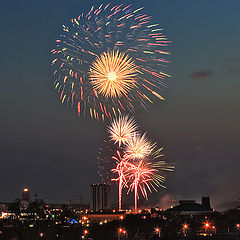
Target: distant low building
[[100, 197], [190, 207], [3, 207], [103, 217]]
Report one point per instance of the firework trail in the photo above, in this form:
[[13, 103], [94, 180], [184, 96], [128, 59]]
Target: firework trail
[[110, 60], [120, 170], [105, 161]]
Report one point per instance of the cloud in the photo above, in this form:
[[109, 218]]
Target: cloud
[[232, 64], [201, 74], [232, 59], [234, 70]]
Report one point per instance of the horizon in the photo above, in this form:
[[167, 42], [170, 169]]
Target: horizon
[[45, 146]]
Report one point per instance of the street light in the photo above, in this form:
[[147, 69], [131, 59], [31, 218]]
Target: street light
[[158, 231], [206, 226], [185, 228], [122, 232], [85, 232]]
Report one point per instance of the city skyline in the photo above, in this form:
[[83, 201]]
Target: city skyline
[[47, 148]]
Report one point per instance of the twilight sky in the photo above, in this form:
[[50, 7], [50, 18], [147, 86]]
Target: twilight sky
[[46, 147]]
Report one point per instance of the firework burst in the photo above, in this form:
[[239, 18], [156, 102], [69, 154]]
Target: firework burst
[[145, 175], [139, 147], [110, 60], [122, 129], [112, 74]]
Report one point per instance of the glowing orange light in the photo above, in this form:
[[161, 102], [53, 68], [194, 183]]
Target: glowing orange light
[[121, 217], [207, 225], [25, 190], [85, 232], [120, 230], [124, 232], [157, 230], [185, 226], [238, 225]]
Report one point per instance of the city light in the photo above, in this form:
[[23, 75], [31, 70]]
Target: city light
[[185, 228], [214, 229], [207, 225], [25, 190], [158, 231]]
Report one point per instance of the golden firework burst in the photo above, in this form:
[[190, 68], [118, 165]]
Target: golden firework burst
[[122, 129], [139, 147], [113, 74]]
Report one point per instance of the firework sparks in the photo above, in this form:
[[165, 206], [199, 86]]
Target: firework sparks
[[120, 170], [122, 129], [112, 74], [110, 60], [138, 147], [145, 175], [141, 176]]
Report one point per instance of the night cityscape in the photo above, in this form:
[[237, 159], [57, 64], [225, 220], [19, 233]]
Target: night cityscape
[[36, 219], [120, 120]]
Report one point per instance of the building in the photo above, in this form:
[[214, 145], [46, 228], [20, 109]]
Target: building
[[190, 207], [103, 217], [26, 195], [25, 199], [100, 197]]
